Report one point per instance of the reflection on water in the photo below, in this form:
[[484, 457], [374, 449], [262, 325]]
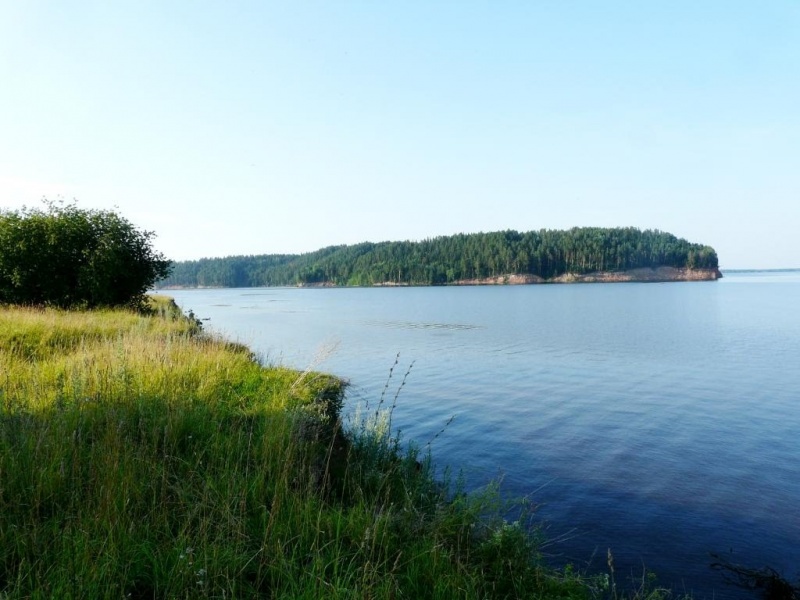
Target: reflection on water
[[659, 420]]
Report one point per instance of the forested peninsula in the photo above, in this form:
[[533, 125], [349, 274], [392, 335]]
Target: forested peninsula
[[585, 254]]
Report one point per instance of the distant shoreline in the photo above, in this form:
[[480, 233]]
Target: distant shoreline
[[642, 275], [498, 257]]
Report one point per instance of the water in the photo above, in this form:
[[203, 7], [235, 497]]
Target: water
[[659, 420]]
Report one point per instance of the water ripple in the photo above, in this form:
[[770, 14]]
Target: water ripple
[[421, 325]]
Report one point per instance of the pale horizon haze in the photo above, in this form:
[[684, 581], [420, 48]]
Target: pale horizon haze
[[284, 127]]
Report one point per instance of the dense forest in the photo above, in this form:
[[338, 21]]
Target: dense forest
[[449, 259]]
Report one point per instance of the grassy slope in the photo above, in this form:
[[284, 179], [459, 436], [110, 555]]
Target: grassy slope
[[140, 458]]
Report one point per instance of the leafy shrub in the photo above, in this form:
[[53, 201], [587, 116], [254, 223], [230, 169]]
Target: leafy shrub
[[65, 256]]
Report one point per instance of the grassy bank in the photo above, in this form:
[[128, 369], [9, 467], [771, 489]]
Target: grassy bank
[[141, 458]]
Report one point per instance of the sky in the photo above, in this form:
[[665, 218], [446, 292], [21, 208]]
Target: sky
[[283, 127]]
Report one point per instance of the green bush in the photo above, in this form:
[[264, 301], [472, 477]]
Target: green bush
[[65, 256]]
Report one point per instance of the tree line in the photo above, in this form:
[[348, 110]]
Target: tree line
[[448, 259]]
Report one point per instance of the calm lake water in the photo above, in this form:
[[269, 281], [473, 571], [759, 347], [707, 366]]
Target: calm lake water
[[659, 420]]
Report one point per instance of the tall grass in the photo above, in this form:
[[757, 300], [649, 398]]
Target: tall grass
[[141, 458]]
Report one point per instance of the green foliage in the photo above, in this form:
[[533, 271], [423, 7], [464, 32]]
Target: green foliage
[[66, 256], [449, 259]]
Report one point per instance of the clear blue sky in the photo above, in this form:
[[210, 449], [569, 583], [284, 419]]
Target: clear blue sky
[[266, 127]]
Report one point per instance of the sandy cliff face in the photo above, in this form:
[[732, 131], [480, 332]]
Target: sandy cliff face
[[646, 274], [643, 275], [502, 280]]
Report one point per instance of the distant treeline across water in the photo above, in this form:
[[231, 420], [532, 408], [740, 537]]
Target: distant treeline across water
[[451, 259]]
